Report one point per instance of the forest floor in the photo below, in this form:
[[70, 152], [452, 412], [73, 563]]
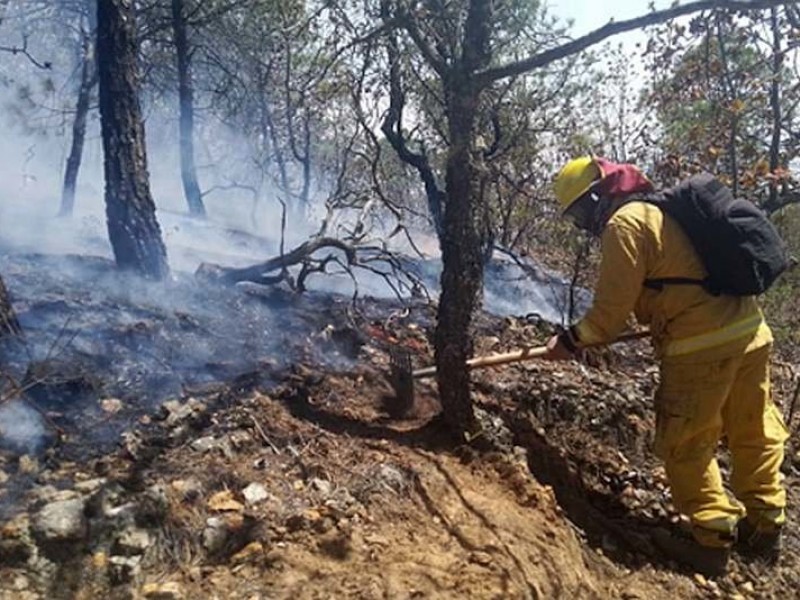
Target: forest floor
[[300, 477]]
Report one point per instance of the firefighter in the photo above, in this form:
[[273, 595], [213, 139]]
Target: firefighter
[[714, 354]]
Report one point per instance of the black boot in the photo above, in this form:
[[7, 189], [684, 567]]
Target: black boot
[[760, 543], [682, 548]]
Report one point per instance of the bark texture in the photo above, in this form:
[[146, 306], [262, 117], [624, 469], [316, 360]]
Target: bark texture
[[132, 226]]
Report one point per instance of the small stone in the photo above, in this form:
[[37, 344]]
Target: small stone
[[123, 569], [215, 535], [16, 546], [747, 587], [323, 486], [224, 501], [90, 486], [255, 493], [61, 521], [700, 580], [111, 405], [154, 504], [204, 444], [480, 558], [163, 591], [132, 542], [3, 477], [28, 464], [20, 583], [191, 489], [252, 552], [99, 560]]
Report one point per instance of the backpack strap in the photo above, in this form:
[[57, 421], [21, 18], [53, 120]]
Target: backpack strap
[[658, 284]]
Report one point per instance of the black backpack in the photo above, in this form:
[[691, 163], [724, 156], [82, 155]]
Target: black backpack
[[738, 245]]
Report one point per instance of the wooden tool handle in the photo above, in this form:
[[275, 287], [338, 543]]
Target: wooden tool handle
[[491, 360], [518, 355]]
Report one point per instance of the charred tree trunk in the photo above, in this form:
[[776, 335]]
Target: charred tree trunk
[[191, 188], [462, 260], [88, 81], [9, 325], [131, 213]]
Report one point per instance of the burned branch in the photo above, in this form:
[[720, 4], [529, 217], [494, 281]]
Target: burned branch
[[348, 256]]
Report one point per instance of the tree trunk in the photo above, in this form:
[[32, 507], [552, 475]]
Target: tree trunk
[[88, 80], [462, 272], [130, 211], [191, 188], [8, 318], [775, 103]]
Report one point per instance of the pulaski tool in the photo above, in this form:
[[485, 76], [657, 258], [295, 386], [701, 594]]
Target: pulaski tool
[[403, 374]]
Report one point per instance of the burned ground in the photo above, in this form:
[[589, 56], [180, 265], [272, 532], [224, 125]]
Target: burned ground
[[244, 444]]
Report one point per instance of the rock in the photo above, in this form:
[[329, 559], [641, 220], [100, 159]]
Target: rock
[[224, 501], [16, 546], [215, 534], [163, 591], [700, 580], [90, 486], [190, 489], [154, 505], [204, 444], [132, 542], [61, 521], [175, 411], [123, 569], [255, 493], [747, 587], [323, 486], [3, 477], [28, 465], [252, 552], [111, 405], [481, 558], [392, 478]]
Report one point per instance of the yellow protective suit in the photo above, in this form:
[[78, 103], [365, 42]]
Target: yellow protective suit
[[714, 354]]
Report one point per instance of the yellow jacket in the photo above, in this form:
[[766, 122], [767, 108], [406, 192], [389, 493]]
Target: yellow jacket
[[640, 242]]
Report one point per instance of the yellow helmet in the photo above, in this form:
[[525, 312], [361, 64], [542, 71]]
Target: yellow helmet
[[575, 179]]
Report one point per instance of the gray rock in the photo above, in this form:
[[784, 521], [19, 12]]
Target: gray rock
[[323, 486], [123, 569], [132, 542], [204, 444], [90, 486], [215, 535], [255, 493], [61, 521]]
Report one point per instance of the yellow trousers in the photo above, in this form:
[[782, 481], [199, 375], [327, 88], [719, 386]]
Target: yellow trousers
[[702, 398]]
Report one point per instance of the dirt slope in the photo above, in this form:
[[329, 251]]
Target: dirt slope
[[300, 479]]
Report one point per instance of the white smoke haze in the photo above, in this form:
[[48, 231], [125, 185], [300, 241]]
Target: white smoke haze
[[21, 427], [244, 224]]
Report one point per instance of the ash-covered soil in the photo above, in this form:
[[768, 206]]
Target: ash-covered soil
[[245, 443]]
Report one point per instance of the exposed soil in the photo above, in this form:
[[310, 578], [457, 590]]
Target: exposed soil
[[290, 474]]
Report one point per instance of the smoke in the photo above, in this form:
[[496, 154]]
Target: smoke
[[21, 428]]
